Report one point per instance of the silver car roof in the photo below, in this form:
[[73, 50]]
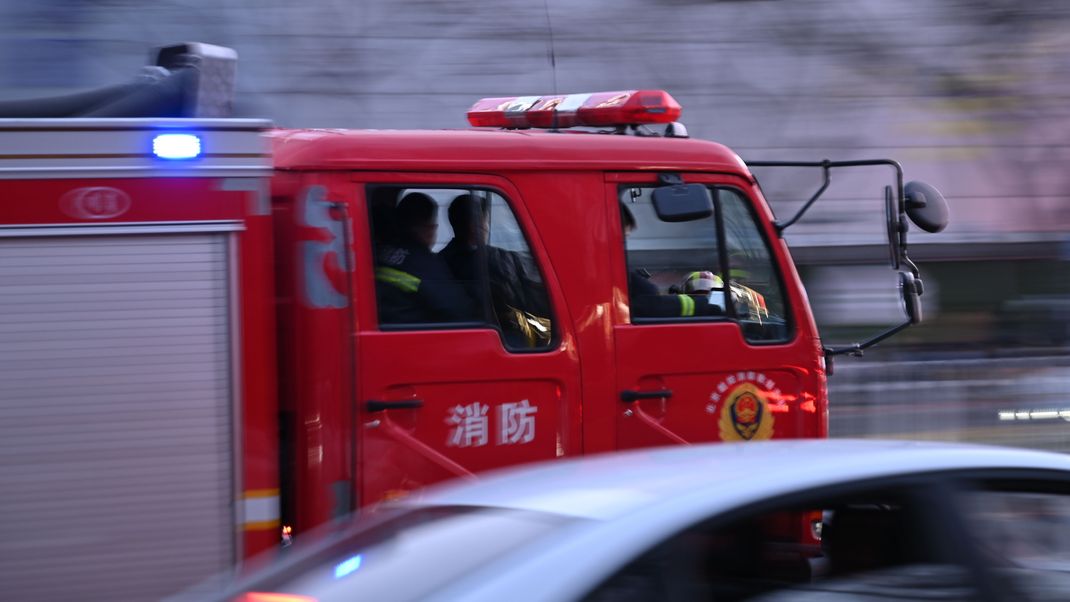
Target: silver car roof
[[612, 485]]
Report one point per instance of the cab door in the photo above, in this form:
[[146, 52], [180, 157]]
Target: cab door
[[722, 354], [445, 397]]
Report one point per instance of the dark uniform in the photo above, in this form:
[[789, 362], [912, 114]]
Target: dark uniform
[[512, 282], [413, 285], [464, 264], [517, 293], [648, 302]]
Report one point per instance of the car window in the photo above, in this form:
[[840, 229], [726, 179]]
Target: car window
[[456, 258], [1030, 530], [872, 545], [682, 271]]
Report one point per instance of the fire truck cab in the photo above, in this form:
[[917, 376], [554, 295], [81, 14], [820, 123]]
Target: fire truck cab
[[214, 330], [563, 350]]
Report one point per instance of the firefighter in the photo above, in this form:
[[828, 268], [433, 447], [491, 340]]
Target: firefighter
[[648, 302], [465, 252], [705, 284], [413, 284], [516, 291], [747, 301]]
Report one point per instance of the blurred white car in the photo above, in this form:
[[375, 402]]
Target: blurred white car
[[901, 521]]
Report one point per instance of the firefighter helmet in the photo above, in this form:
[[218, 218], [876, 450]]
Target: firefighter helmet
[[701, 282]]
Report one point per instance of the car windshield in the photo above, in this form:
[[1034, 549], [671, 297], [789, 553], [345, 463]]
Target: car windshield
[[408, 555]]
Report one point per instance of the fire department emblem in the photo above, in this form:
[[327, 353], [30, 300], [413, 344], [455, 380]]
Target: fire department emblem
[[95, 202], [745, 413]]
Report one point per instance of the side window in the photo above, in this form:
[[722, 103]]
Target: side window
[[759, 297], [673, 268], [702, 269], [456, 258]]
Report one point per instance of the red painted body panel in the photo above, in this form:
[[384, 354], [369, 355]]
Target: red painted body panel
[[259, 411], [314, 370], [494, 151], [577, 239], [36, 202]]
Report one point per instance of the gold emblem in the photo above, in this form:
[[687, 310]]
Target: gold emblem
[[745, 415]]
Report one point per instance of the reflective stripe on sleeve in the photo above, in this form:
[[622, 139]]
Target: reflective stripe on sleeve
[[403, 280], [687, 305]]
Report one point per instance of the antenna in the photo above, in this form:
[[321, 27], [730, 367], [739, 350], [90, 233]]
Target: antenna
[[553, 56], [553, 62]]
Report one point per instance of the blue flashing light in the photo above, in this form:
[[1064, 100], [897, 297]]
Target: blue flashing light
[[176, 146], [348, 566]]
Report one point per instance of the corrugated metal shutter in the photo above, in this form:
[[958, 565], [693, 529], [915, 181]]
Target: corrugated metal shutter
[[116, 436]]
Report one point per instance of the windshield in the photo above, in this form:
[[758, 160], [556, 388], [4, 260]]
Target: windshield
[[409, 555]]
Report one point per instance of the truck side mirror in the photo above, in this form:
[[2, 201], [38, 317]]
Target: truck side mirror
[[893, 216], [682, 202], [908, 288], [926, 207]]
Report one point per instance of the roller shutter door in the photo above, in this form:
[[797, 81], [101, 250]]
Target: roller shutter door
[[116, 428]]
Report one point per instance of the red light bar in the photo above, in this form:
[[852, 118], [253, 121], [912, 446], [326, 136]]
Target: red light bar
[[629, 107]]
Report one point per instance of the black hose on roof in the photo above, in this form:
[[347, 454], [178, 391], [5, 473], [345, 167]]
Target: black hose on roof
[[70, 105], [169, 96], [172, 96]]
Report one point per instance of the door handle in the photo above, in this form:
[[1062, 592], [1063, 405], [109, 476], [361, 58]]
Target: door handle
[[375, 405], [628, 396]]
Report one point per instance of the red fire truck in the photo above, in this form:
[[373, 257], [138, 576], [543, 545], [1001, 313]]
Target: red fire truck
[[213, 330]]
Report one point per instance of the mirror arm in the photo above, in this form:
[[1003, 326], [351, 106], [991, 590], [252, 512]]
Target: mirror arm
[[826, 166], [781, 226], [914, 271], [857, 349]]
